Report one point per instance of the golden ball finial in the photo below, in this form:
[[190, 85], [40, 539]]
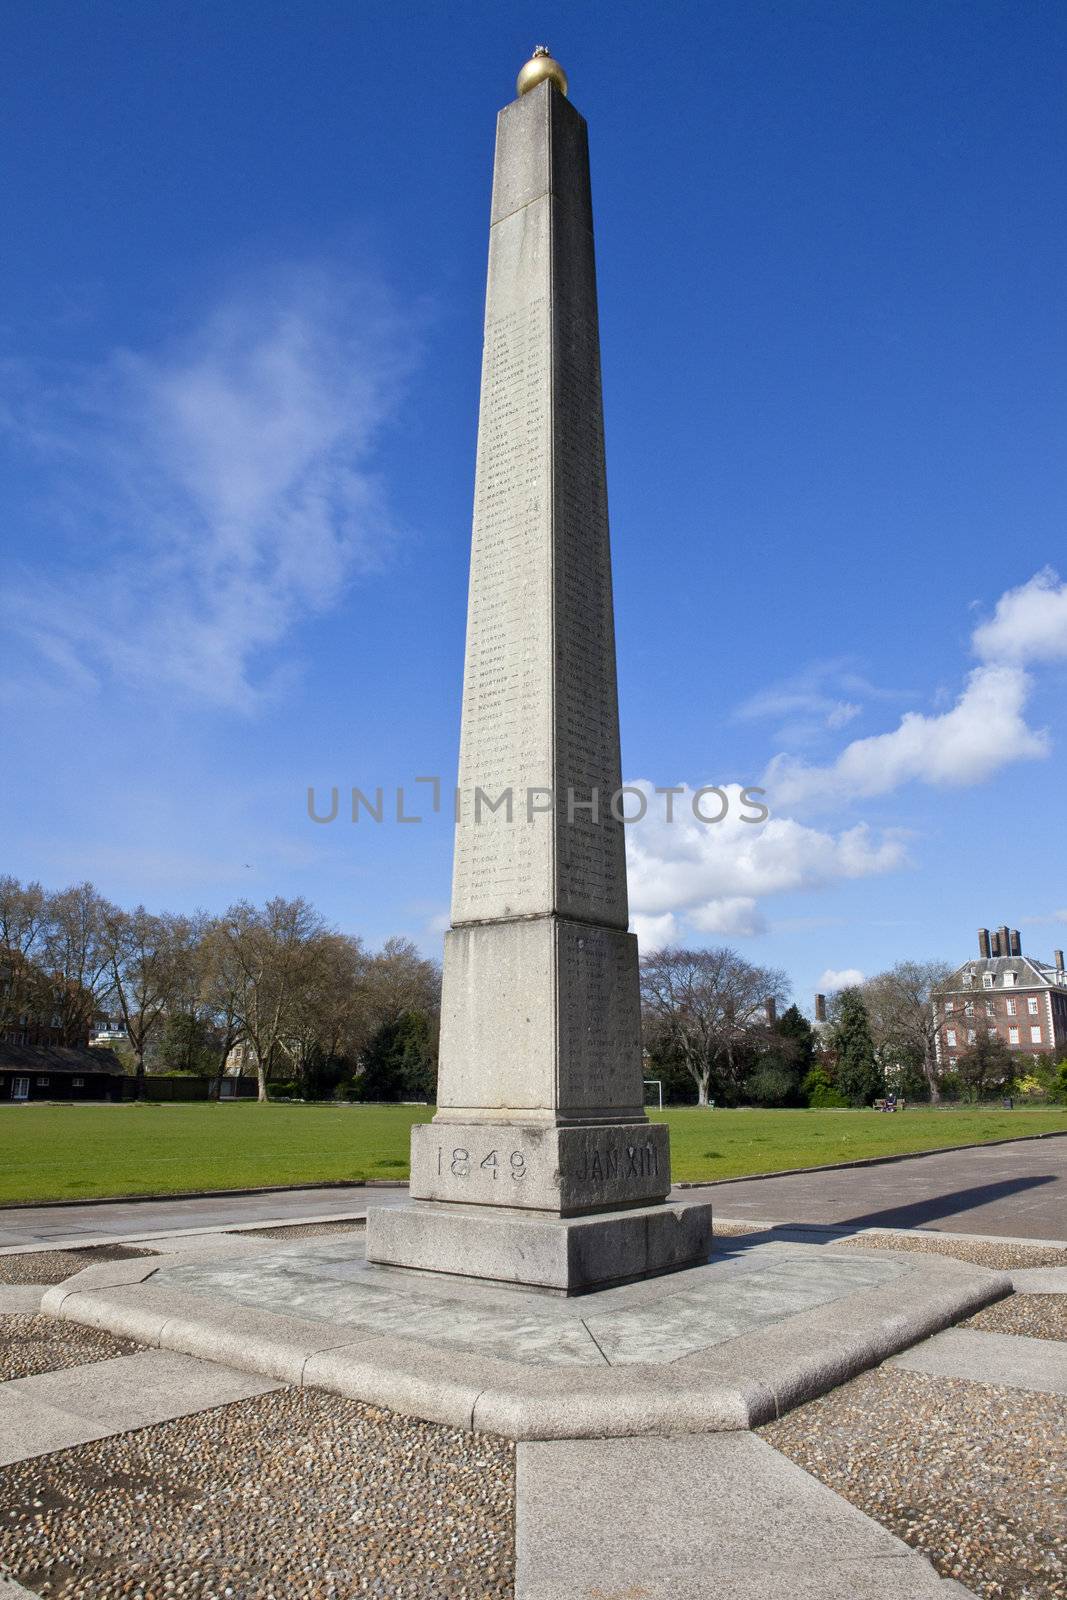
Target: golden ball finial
[[539, 67]]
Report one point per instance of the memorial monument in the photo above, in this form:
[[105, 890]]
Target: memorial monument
[[540, 1166]]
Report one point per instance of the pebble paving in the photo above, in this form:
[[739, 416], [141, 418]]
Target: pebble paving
[[55, 1266], [294, 1495], [1000, 1256], [970, 1474], [30, 1345], [1035, 1316]]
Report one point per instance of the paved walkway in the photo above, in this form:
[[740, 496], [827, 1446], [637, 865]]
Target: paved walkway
[[1016, 1190], [51, 1227]]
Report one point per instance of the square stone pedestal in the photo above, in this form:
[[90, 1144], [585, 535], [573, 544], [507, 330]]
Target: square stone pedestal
[[564, 1254]]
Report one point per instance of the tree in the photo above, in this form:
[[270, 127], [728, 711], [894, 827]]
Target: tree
[[147, 960], [266, 960], [400, 1063], [903, 1019], [708, 1006], [784, 1064], [22, 923], [986, 1067], [75, 949], [220, 987], [330, 1019], [858, 1076]]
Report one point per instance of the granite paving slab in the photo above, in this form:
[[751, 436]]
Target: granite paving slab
[[703, 1517], [1007, 1359]]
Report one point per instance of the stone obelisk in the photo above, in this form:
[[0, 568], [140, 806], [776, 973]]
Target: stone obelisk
[[540, 1166]]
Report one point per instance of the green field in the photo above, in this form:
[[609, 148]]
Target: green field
[[52, 1152]]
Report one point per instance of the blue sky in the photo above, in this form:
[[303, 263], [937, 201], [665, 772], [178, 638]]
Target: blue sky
[[240, 312]]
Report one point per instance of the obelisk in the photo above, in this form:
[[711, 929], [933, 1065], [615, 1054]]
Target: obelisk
[[540, 1166]]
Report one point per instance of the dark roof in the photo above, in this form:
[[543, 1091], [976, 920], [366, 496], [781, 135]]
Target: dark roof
[[56, 1058], [1029, 973]]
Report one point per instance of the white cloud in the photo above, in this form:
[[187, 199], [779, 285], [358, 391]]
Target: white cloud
[[1028, 624], [984, 731], [734, 916], [215, 494], [654, 932], [847, 978], [712, 875]]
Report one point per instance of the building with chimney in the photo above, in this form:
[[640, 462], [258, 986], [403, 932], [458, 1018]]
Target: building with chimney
[[1017, 998]]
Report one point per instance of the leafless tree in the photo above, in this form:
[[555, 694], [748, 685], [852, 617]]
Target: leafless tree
[[267, 959], [149, 958], [22, 925], [708, 1005], [902, 1015], [75, 951]]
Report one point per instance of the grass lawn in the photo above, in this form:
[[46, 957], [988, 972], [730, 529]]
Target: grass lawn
[[78, 1152]]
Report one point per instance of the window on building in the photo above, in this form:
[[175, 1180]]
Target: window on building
[[79, 1083], [42, 1083], [950, 1005], [1009, 980], [988, 979], [971, 1035], [1031, 1005], [990, 1009], [952, 1061], [1010, 1004], [950, 1036], [1013, 1036], [992, 1032], [968, 976], [1035, 1035]]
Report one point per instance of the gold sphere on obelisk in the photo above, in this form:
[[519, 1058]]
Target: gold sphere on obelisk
[[539, 67]]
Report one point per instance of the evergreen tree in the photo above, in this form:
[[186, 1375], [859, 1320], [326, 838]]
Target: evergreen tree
[[782, 1068], [400, 1062], [859, 1077]]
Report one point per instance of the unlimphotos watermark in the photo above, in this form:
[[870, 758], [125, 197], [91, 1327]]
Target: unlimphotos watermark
[[628, 804]]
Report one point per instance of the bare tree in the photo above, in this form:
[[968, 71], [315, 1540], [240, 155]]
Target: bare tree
[[75, 950], [267, 961], [902, 1015], [22, 924], [399, 979], [220, 986], [708, 1005], [331, 1010], [148, 960]]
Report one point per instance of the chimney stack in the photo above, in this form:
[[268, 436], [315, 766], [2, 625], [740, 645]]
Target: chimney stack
[[820, 1008], [1002, 936], [1058, 954], [1016, 943], [994, 943], [983, 943], [772, 1011]]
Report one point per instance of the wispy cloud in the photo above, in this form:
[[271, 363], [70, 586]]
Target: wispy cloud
[[824, 696], [212, 494]]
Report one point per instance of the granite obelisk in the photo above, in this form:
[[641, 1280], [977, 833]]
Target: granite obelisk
[[540, 1165]]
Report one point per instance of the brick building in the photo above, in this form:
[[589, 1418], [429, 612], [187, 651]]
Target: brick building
[[1019, 998]]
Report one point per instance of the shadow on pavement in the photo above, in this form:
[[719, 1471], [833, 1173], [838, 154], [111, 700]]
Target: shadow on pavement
[[912, 1215]]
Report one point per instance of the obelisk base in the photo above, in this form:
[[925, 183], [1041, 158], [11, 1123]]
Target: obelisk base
[[567, 1170], [567, 1255]]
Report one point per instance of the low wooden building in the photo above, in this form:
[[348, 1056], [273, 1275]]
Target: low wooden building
[[55, 1072]]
